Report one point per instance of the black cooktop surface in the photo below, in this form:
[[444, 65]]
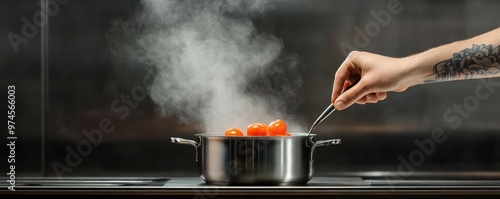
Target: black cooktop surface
[[381, 184]]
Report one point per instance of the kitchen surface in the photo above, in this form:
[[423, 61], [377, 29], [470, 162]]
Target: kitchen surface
[[132, 98], [427, 184]]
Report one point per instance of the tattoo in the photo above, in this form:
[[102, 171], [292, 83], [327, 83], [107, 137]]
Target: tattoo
[[483, 60]]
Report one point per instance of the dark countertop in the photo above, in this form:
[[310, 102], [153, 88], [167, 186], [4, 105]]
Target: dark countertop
[[375, 185]]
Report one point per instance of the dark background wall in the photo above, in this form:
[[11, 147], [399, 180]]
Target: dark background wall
[[85, 78]]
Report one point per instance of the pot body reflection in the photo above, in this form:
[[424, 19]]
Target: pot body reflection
[[280, 160]]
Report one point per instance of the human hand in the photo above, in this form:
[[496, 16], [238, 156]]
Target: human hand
[[377, 75]]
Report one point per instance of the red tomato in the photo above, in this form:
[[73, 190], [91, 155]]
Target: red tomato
[[257, 129], [233, 132], [277, 128]]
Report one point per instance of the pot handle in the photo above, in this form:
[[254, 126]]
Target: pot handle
[[177, 140], [324, 143]]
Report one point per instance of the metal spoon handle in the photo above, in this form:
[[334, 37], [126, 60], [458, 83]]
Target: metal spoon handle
[[329, 110]]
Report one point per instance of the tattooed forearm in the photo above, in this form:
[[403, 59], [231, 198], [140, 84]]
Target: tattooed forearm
[[478, 61]]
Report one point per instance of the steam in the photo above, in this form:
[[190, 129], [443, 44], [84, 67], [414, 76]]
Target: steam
[[210, 65]]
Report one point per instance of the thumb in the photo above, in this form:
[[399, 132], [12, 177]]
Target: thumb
[[350, 96]]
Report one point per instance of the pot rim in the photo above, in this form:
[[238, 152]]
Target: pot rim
[[293, 135]]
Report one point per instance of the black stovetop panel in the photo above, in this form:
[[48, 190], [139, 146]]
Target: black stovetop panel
[[367, 183], [194, 182]]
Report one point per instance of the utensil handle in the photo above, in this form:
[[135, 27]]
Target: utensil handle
[[327, 142], [195, 144], [329, 110], [324, 143]]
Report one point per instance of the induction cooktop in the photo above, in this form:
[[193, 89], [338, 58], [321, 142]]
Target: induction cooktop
[[320, 185]]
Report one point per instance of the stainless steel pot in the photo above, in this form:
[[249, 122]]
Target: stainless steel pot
[[282, 160]]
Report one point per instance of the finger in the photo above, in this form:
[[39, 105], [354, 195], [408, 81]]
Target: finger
[[362, 100], [338, 83], [371, 98], [381, 95], [348, 82], [342, 75], [400, 89], [351, 96]]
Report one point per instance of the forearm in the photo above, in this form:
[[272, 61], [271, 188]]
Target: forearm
[[478, 57]]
